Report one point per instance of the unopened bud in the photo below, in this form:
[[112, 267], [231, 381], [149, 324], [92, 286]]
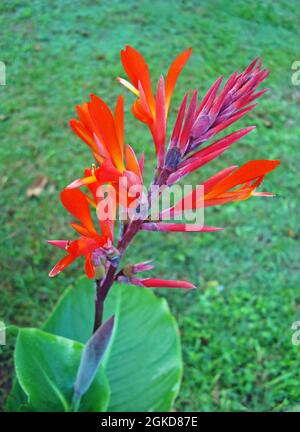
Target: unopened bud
[[128, 270], [172, 158], [113, 255], [99, 271]]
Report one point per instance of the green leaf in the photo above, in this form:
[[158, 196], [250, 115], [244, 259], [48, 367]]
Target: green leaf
[[143, 363], [17, 398], [46, 367], [144, 366], [73, 316]]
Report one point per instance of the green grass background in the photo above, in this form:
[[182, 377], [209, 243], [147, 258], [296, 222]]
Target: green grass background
[[236, 327]]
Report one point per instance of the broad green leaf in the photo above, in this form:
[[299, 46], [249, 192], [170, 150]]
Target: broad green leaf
[[73, 316], [143, 362], [17, 398], [144, 367], [46, 367]]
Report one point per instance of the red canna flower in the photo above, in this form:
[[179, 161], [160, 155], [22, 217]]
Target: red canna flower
[[104, 133], [101, 130], [90, 243], [150, 109], [219, 189]]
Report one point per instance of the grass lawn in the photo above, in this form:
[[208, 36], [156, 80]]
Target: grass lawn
[[236, 328]]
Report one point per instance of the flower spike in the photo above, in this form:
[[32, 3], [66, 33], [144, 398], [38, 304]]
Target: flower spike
[[198, 121]]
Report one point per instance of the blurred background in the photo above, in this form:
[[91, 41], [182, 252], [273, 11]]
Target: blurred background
[[236, 327]]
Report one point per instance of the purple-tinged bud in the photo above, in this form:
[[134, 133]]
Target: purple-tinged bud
[[143, 266], [131, 269], [173, 157], [200, 126], [113, 255]]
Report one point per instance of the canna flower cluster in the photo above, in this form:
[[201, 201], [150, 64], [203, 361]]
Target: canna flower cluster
[[198, 122]]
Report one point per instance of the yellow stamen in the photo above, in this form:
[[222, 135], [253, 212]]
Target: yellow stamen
[[128, 85], [93, 167]]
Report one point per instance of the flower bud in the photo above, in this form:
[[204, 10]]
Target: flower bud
[[128, 270], [113, 255], [172, 158], [99, 271]]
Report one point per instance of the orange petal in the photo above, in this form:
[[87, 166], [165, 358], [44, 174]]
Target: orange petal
[[83, 133], [137, 70], [149, 111], [104, 125], [249, 171], [119, 123], [139, 113], [212, 181], [80, 229], [84, 116], [132, 163], [75, 201], [173, 73]]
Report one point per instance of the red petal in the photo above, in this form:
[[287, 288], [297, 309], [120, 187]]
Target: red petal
[[161, 283], [61, 244], [104, 125], [159, 127], [75, 201], [189, 121], [62, 264], [137, 70], [249, 171], [178, 123], [89, 268], [172, 227], [209, 98], [141, 163]]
